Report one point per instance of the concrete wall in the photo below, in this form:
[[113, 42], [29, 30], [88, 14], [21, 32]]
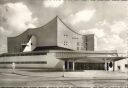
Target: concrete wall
[[50, 58], [45, 35], [95, 43], [14, 43], [121, 64], [68, 38]]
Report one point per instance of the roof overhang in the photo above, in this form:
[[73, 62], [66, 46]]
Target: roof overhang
[[89, 56]]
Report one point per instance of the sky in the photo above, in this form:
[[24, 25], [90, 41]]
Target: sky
[[108, 20]]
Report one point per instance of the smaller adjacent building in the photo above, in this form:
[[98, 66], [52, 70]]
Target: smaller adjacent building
[[122, 65], [56, 46]]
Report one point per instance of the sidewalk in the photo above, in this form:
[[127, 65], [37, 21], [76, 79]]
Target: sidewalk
[[87, 74]]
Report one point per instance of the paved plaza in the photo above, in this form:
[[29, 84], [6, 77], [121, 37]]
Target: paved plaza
[[38, 79]]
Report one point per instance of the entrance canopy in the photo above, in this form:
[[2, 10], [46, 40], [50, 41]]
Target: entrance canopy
[[89, 56]]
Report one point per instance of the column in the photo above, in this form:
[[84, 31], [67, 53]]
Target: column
[[64, 66], [113, 66], [67, 65], [105, 65], [108, 66], [73, 63]]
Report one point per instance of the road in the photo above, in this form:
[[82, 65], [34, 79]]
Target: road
[[41, 81]]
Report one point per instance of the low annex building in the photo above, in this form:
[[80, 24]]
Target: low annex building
[[56, 46]]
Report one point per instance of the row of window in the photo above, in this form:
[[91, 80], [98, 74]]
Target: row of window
[[24, 54], [119, 67], [65, 35], [30, 62], [65, 43], [81, 48], [78, 43]]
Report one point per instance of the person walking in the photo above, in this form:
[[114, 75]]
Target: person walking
[[13, 67]]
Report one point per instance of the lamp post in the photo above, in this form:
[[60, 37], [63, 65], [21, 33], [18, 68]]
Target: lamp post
[[63, 70]]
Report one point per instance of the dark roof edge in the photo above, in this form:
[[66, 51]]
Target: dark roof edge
[[34, 28], [21, 33], [68, 26], [47, 24]]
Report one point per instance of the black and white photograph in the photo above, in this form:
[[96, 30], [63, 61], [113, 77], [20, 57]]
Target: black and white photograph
[[63, 44]]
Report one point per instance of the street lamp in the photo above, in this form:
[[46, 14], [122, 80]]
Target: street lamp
[[63, 70]]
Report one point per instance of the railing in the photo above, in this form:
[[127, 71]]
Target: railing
[[72, 54]]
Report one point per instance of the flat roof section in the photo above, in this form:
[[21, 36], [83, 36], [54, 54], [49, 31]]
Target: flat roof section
[[73, 55]]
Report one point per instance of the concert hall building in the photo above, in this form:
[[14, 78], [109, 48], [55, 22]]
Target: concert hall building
[[55, 46]]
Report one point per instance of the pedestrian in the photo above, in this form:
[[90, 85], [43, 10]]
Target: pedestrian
[[13, 67]]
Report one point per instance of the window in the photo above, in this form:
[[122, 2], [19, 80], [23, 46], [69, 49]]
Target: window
[[77, 48], [74, 38], [65, 35], [110, 64], [118, 67], [126, 65], [65, 43], [81, 44], [81, 48], [78, 43]]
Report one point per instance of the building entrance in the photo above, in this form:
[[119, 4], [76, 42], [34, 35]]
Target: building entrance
[[70, 65], [89, 66]]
